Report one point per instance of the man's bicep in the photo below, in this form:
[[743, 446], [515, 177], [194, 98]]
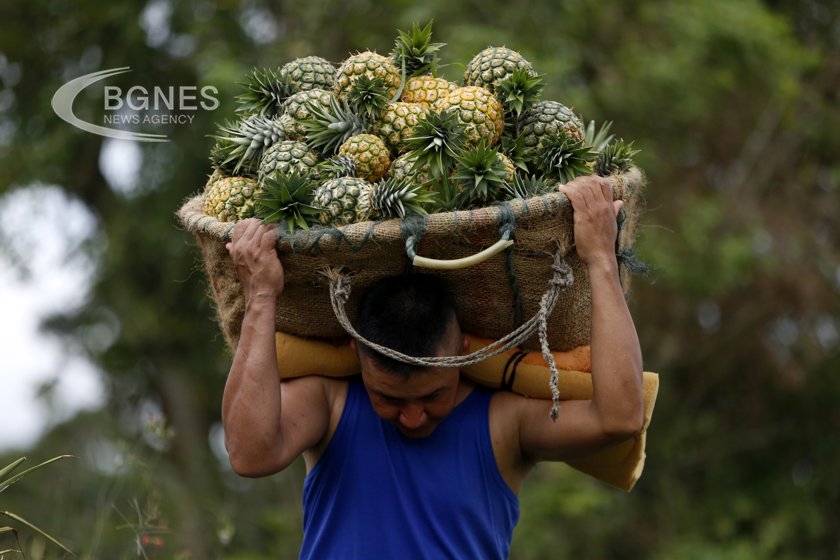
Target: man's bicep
[[577, 432]]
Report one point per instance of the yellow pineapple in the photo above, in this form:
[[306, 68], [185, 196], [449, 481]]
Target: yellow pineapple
[[478, 111], [426, 90], [370, 154], [368, 64]]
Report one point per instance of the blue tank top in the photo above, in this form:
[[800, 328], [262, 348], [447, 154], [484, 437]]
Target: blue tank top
[[375, 494]]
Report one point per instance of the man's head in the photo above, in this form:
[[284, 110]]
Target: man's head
[[413, 314]]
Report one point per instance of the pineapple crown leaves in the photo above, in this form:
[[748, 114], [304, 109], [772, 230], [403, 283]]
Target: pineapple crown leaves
[[337, 166], [331, 126], [397, 198], [415, 51], [368, 96], [243, 143], [616, 157], [563, 157], [265, 91], [438, 140], [518, 152], [480, 174], [288, 198], [519, 90], [527, 186], [600, 139]]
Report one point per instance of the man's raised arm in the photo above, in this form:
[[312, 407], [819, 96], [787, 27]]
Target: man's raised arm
[[616, 409], [265, 427]]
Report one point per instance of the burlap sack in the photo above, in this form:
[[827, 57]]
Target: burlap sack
[[492, 298]]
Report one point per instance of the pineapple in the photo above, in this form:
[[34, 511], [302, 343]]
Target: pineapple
[[369, 64], [300, 107], [562, 157], [414, 51], [230, 199], [265, 92], [370, 154], [397, 122], [438, 139], [519, 90], [616, 157], [287, 198], [527, 186], [395, 198], [548, 117], [368, 97], [285, 156], [348, 200], [337, 166], [328, 128], [308, 73], [480, 174], [242, 144], [426, 90], [478, 111], [404, 168], [342, 202], [492, 65]]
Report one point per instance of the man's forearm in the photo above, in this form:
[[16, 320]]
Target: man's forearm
[[251, 401], [616, 356]]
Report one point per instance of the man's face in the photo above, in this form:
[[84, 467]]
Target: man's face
[[414, 404]]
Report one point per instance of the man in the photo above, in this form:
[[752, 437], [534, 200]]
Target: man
[[420, 463]]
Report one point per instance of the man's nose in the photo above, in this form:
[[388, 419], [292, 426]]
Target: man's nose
[[413, 416]]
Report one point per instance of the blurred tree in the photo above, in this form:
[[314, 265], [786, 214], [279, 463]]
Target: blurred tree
[[734, 105]]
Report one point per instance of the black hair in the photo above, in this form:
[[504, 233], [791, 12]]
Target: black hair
[[410, 313]]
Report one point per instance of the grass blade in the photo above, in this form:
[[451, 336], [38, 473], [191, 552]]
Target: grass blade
[[6, 483], [8, 469], [20, 519]]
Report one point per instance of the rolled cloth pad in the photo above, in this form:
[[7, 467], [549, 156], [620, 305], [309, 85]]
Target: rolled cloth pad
[[620, 465]]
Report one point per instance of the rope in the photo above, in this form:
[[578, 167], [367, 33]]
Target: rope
[[561, 279]]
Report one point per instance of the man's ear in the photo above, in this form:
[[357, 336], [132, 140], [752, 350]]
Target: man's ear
[[466, 345], [353, 344]]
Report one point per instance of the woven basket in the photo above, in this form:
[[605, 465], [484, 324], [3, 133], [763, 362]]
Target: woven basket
[[492, 298]]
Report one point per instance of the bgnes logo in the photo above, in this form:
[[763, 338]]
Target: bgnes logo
[[160, 101]]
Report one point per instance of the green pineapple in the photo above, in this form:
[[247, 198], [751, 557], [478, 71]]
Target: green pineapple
[[397, 122], [301, 107], [329, 127], [285, 156], [308, 73], [369, 64], [265, 92], [404, 168], [481, 174], [478, 110], [616, 157], [549, 117], [415, 52], [492, 65], [564, 158], [287, 198], [342, 202], [370, 154], [230, 199], [426, 90]]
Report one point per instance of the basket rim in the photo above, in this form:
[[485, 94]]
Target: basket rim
[[194, 220]]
